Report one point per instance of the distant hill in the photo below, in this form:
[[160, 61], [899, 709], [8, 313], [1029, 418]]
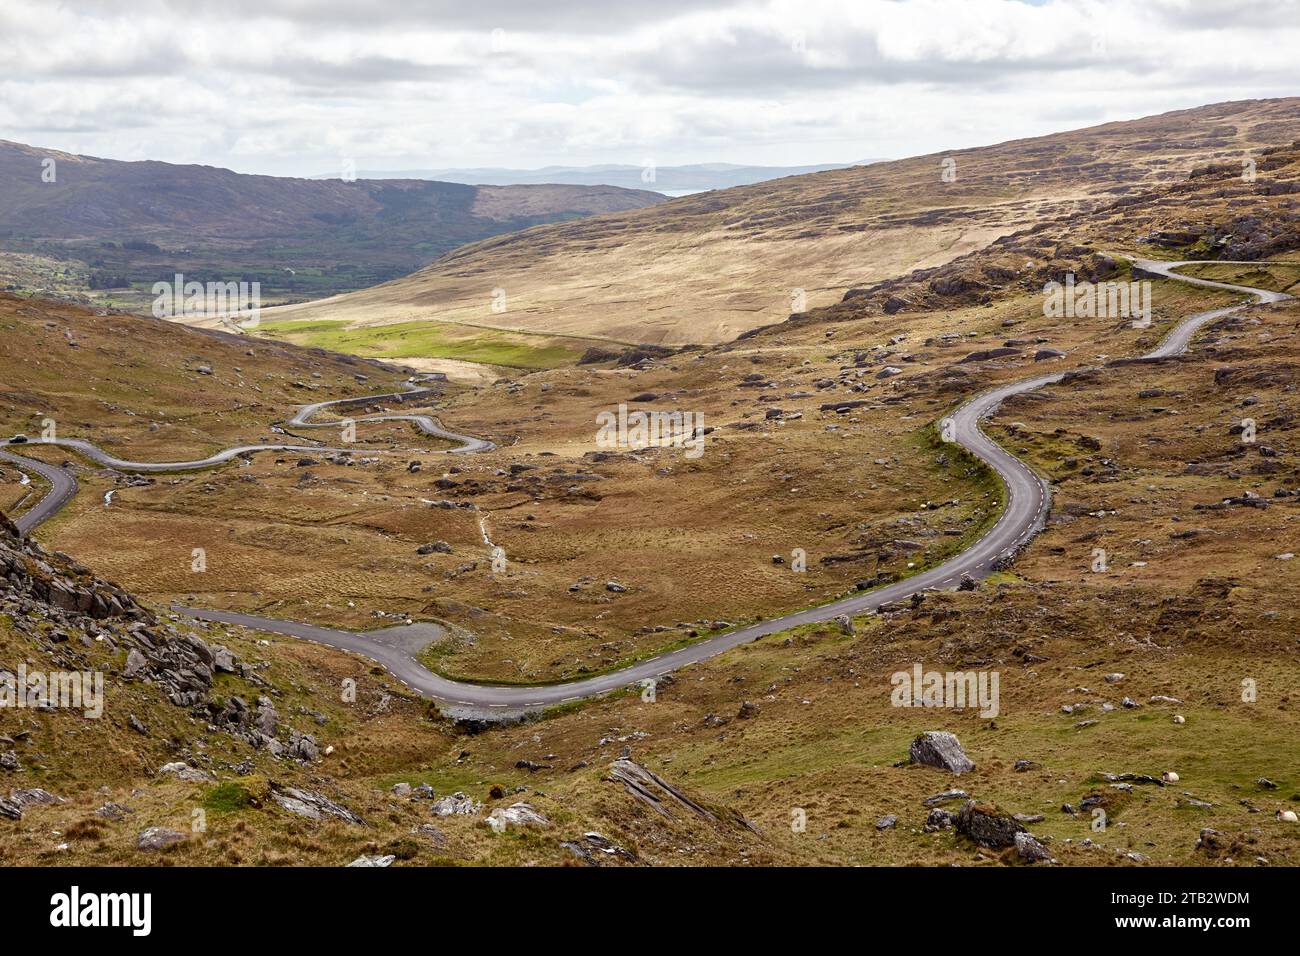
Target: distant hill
[[670, 180], [142, 221], [706, 268]]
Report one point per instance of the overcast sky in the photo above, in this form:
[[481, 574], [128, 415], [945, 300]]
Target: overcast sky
[[295, 87]]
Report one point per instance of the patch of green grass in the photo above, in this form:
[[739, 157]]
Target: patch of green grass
[[430, 340], [228, 797], [445, 779]]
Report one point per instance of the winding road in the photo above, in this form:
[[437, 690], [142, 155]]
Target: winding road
[[1028, 498]]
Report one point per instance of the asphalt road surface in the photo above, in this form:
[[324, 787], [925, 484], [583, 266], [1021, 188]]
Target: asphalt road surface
[[1028, 500]]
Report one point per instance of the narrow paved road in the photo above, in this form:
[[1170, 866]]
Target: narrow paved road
[[1028, 501]]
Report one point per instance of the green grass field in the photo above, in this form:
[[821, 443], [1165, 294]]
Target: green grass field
[[432, 340]]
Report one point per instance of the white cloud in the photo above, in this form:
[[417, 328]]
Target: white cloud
[[291, 87]]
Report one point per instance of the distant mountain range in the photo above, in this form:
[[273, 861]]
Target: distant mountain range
[[138, 222], [669, 180]]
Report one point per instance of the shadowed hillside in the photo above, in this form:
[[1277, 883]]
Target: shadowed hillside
[[116, 224]]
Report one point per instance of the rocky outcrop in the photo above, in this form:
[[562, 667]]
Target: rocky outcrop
[[312, 805], [60, 604], [31, 579], [19, 800], [665, 799]]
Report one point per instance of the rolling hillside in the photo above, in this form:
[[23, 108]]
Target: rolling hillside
[[133, 223], [706, 268]]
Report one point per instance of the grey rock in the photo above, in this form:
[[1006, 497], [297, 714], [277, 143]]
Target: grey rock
[[33, 796], [986, 825], [948, 796], [455, 805], [938, 819], [941, 749], [516, 815], [135, 663], [222, 659], [187, 773], [1029, 849], [312, 805], [156, 839], [431, 833]]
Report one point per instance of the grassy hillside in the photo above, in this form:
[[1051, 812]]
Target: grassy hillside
[[1109, 678], [705, 268]]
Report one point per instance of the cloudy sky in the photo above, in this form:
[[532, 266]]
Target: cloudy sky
[[295, 87]]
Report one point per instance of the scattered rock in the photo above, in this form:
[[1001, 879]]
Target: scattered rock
[[938, 748], [1029, 849], [455, 805], [187, 773], [113, 811], [517, 815], [948, 796], [938, 819], [592, 844], [156, 839]]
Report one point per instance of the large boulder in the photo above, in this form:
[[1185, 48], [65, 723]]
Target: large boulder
[[938, 748], [985, 824]]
